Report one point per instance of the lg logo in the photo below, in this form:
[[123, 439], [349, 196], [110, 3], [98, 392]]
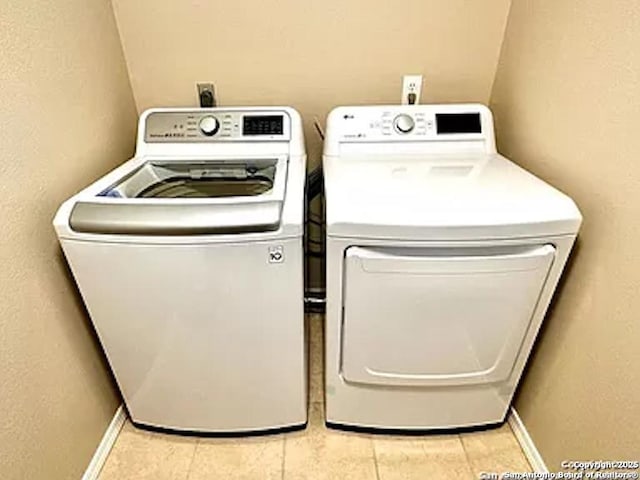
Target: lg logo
[[276, 254]]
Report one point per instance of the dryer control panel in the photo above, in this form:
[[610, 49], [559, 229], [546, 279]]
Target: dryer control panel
[[366, 123], [217, 125], [456, 125]]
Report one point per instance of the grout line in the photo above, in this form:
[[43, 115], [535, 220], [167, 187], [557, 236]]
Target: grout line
[[193, 456], [375, 458], [466, 455], [284, 452]]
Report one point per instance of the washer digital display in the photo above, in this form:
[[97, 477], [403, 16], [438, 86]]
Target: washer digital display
[[262, 125]]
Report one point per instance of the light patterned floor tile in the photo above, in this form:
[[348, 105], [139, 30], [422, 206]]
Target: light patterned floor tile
[[433, 457], [446, 455], [142, 455], [259, 458], [495, 450], [323, 454]]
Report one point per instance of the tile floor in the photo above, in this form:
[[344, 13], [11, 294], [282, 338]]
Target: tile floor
[[315, 453]]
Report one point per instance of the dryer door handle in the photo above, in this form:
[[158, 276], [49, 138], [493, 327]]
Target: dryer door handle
[[450, 260]]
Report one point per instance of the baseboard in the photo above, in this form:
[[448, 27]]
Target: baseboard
[[526, 442], [105, 445]]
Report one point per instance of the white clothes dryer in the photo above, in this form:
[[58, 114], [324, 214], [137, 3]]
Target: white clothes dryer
[[442, 257]]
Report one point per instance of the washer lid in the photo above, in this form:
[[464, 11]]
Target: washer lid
[[187, 197], [444, 197]]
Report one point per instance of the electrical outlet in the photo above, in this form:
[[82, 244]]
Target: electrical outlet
[[206, 94], [411, 89]]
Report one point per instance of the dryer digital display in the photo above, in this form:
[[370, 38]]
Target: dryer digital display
[[458, 123], [262, 125]]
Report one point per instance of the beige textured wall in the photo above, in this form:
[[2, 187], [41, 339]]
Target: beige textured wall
[[567, 105], [67, 117], [312, 55]]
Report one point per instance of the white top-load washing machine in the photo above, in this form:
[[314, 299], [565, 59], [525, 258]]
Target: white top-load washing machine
[[189, 259], [442, 257]]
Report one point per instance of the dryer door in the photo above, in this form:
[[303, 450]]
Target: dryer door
[[430, 317]]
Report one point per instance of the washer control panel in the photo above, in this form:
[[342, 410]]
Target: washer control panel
[[217, 126]]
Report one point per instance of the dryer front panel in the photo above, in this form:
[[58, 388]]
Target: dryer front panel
[[438, 317]]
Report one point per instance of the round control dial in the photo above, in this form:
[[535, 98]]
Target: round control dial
[[403, 123], [209, 125]]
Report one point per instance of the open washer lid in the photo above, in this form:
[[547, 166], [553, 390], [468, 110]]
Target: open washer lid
[[186, 197], [442, 197]]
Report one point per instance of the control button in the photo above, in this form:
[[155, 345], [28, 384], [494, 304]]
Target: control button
[[209, 125], [403, 123]]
